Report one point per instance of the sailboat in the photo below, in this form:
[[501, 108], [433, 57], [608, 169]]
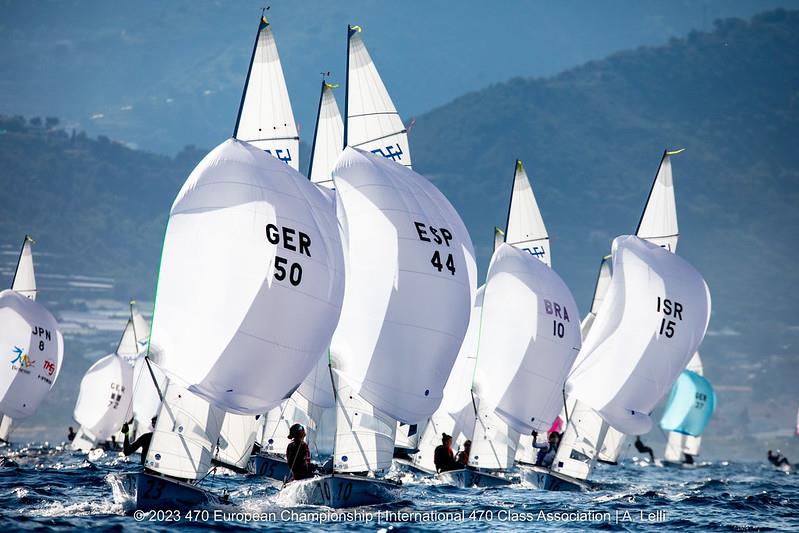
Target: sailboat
[[410, 281], [690, 406], [106, 393], [265, 118], [588, 438], [252, 258], [30, 338], [372, 121]]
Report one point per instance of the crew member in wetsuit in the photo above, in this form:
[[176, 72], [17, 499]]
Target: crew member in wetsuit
[[443, 456], [689, 459], [142, 442], [643, 448], [298, 455], [777, 459], [463, 455], [547, 451], [71, 435]]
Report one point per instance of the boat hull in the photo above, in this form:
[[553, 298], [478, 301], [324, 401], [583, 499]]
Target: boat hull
[[154, 492], [408, 466], [544, 479], [271, 466], [340, 491], [467, 478]]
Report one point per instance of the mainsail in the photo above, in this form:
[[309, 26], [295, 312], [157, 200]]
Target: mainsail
[[252, 259], [525, 228], [372, 122], [328, 138], [653, 319], [265, 118], [658, 222], [24, 278], [410, 282]]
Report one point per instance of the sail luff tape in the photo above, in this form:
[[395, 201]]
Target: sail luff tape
[[331, 85], [675, 152]]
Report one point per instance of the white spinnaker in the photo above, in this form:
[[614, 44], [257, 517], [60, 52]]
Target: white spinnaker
[[34, 348], [265, 117], [529, 338], [455, 415], [372, 121], [653, 319], [140, 325], [185, 434], [252, 259], [410, 282], [24, 281], [677, 443], [658, 222], [364, 439], [494, 442], [328, 138], [236, 439], [525, 229], [104, 400]]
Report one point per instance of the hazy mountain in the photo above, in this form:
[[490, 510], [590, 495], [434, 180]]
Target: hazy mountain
[[591, 139]]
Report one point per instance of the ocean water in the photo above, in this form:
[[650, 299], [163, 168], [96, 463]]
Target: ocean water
[[52, 488]]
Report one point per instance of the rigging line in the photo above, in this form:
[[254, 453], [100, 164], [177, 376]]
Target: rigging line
[[152, 375], [565, 408]]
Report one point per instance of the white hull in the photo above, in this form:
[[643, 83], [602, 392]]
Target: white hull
[[409, 466], [344, 490], [468, 478], [545, 479]]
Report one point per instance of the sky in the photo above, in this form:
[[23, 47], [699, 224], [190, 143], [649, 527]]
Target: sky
[[161, 75]]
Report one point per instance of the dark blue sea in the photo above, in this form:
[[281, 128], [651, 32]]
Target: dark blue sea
[[49, 488]]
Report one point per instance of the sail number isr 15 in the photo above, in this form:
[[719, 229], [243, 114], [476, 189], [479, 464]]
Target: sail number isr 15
[[294, 241], [672, 309], [435, 235]]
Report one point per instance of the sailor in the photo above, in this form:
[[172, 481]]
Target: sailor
[[547, 451], [689, 459], [443, 457], [463, 455], [71, 435], [777, 459], [298, 455], [643, 448], [142, 442]]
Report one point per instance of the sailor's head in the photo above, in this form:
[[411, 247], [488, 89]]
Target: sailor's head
[[467, 445], [446, 440], [153, 420], [554, 438], [71, 430], [297, 431]]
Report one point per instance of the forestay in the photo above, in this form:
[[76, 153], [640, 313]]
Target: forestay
[[328, 138], [252, 259], [653, 319], [34, 347], [529, 339], [372, 121], [525, 229], [265, 117], [104, 399], [410, 283], [24, 281]]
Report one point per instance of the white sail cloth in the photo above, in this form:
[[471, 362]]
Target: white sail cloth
[[24, 281], [373, 123], [529, 339], [328, 140], [34, 350], [251, 280], [658, 223], [104, 400], [653, 319], [410, 282], [266, 119], [525, 229], [236, 439]]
